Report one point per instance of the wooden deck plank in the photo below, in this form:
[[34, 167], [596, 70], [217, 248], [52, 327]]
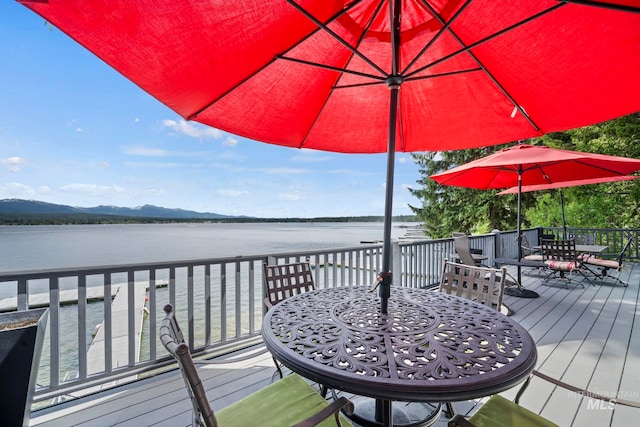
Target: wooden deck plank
[[579, 356], [155, 399], [587, 337], [612, 373]]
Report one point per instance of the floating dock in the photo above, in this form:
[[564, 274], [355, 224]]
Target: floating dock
[[67, 297]]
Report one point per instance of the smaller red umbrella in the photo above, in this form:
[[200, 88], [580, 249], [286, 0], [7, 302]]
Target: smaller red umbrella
[[524, 164], [561, 185]]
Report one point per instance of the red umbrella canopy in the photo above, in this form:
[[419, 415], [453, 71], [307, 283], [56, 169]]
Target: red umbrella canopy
[[576, 183], [317, 73], [537, 165]]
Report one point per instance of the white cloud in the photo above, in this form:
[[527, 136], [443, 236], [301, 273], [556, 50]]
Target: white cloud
[[92, 189], [230, 142], [138, 150], [166, 165], [145, 151], [284, 171], [192, 129], [16, 190], [351, 172], [13, 164], [154, 192], [232, 193], [288, 196], [311, 156]]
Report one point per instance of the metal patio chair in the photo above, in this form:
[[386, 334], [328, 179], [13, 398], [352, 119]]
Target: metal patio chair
[[283, 281], [287, 402], [483, 285], [529, 253], [464, 251], [501, 412], [561, 258], [603, 265]]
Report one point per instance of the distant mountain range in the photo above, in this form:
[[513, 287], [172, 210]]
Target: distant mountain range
[[34, 207]]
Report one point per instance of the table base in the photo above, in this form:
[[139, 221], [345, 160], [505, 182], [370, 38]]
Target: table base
[[405, 414]]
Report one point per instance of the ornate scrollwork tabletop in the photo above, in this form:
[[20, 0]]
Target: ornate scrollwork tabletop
[[429, 347]]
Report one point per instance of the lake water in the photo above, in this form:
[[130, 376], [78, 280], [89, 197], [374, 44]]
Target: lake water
[[69, 246], [63, 246]]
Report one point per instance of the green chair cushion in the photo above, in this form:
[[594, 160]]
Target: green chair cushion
[[501, 412], [283, 403]]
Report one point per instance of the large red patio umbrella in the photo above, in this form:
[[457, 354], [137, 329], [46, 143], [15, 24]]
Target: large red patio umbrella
[[526, 165], [371, 76], [565, 184]]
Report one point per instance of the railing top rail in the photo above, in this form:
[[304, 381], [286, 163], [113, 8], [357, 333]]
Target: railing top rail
[[6, 276]]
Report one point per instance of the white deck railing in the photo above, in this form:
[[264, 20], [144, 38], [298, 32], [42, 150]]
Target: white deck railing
[[218, 302]]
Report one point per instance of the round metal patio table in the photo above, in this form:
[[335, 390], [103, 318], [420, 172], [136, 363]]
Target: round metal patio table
[[429, 347]]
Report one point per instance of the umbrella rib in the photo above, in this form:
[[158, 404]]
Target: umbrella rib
[[602, 168], [482, 66], [445, 27], [449, 73], [349, 86], [192, 116], [339, 39], [605, 5], [332, 68], [486, 39]]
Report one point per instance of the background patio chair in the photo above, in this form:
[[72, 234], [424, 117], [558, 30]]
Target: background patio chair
[[483, 285], [284, 281], [289, 401], [501, 412], [529, 253], [561, 258], [545, 237], [584, 238], [463, 250], [604, 265]]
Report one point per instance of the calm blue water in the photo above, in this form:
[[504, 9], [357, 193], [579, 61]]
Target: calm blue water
[[62, 246]]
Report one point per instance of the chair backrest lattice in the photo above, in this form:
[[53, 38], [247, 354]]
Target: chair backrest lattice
[[584, 239], [559, 250], [545, 237], [286, 280], [483, 285]]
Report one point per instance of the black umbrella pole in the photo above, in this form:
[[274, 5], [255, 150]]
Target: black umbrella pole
[[385, 275], [518, 226]]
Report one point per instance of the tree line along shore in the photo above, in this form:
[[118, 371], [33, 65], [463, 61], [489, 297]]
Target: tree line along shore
[[78, 219]]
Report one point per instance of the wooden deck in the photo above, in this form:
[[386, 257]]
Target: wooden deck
[[588, 337]]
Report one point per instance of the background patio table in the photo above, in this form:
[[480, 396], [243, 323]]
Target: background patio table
[[430, 347], [586, 249]]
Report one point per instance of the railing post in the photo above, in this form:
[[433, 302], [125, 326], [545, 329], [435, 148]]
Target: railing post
[[23, 296], [497, 243], [396, 262]]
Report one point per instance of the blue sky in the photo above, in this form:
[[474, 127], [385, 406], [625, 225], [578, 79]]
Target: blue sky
[[74, 131]]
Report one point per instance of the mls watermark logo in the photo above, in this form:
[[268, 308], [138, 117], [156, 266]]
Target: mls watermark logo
[[601, 405], [603, 400]]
